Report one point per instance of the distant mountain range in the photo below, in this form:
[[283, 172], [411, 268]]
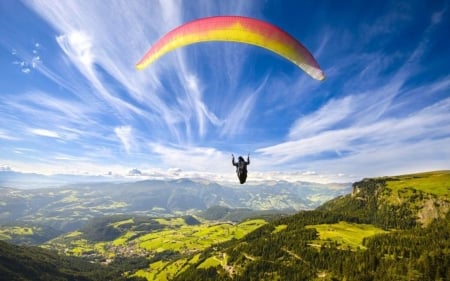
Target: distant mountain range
[[68, 207], [10, 178]]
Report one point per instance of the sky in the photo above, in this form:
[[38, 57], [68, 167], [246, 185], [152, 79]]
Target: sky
[[72, 101]]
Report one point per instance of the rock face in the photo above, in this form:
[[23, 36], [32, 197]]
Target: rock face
[[433, 208], [401, 197], [366, 188]]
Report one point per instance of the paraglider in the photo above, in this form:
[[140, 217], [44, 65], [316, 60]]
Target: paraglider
[[235, 29], [241, 30], [241, 167]]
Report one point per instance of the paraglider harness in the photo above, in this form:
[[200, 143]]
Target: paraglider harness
[[241, 168]]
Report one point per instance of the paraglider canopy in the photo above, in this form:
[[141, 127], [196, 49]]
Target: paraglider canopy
[[235, 29]]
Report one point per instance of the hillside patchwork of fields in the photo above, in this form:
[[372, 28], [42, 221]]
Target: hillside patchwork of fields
[[170, 244]]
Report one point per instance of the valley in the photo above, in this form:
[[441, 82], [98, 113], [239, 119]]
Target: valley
[[134, 237], [70, 207]]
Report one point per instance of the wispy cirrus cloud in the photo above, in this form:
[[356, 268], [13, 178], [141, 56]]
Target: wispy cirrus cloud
[[195, 158], [7, 135], [376, 122], [332, 113], [87, 42], [388, 137], [125, 134], [45, 133], [381, 99]]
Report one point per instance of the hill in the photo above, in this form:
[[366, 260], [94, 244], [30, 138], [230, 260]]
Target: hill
[[119, 248], [399, 202], [375, 233], [34, 263], [27, 233], [106, 238]]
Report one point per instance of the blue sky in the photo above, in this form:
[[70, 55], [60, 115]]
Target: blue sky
[[71, 100]]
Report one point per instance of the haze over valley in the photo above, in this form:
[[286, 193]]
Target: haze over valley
[[69, 207]]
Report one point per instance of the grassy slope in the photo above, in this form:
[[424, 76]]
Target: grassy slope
[[193, 238], [190, 239], [347, 235], [177, 245], [437, 183]]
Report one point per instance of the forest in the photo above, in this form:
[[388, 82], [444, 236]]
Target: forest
[[408, 251], [411, 254], [35, 263]]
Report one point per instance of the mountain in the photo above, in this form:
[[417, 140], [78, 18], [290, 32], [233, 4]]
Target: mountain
[[388, 228], [69, 207], [10, 178], [400, 202]]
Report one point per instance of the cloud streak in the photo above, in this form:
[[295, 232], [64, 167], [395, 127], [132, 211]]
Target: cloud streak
[[125, 134]]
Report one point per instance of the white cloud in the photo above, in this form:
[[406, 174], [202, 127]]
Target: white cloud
[[236, 120], [45, 133], [77, 45], [89, 43], [323, 119], [27, 60], [390, 141], [192, 158], [125, 134]]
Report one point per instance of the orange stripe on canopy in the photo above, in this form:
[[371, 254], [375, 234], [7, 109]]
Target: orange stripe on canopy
[[235, 29]]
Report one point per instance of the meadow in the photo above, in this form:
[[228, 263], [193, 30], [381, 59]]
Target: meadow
[[190, 240], [6, 232], [437, 183], [346, 235], [198, 237]]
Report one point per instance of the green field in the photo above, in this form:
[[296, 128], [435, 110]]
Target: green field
[[165, 270], [279, 228], [189, 239], [186, 238], [346, 235], [437, 183], [8, 231]]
